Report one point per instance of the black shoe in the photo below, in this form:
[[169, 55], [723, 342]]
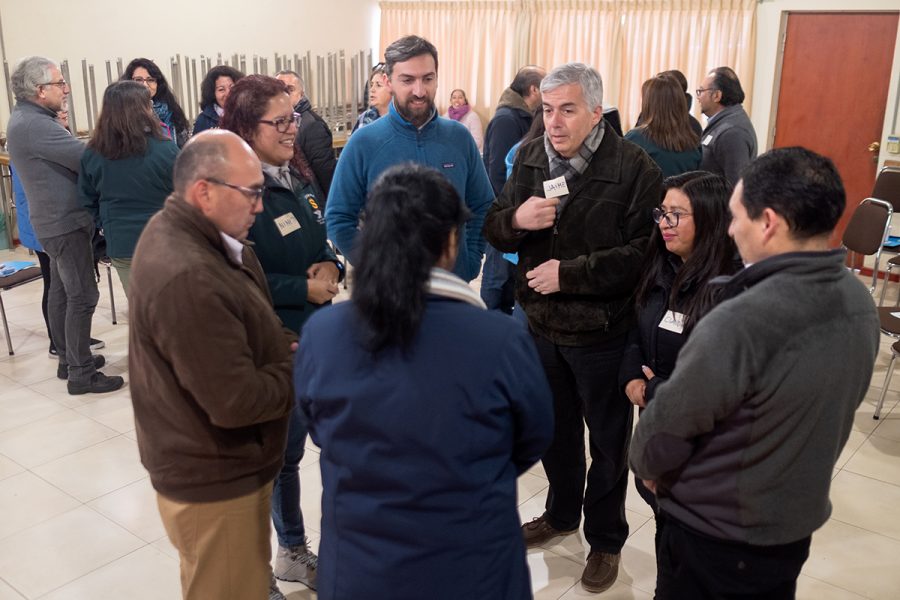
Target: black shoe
[[52, 353], [97, 344], [62, 371], [99, 384]]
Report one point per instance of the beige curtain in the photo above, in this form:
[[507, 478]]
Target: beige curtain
[[481, 44]]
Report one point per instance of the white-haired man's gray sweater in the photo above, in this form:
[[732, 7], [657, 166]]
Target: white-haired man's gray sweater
[[47, 158], [742, 439]]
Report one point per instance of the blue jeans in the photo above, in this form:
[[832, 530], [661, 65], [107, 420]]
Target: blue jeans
[[72, 299], [286, 514], [498, 281]]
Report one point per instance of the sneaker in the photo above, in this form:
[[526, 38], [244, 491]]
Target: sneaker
[[52, 353], [99, 384], [97, 344], [539, 531], [297, 563], [62, 371], [600, 572], [274, 592]]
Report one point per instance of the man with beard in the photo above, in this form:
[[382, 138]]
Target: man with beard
[[412, 131]]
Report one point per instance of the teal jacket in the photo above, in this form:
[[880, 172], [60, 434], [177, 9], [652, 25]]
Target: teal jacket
[[123, 194], [286, 257], [670, 162]]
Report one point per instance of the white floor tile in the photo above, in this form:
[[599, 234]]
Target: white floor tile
[[52, 437], [133, 507], [854, 441], [8, 593], [9, 467], [527, 485], [74, 543], [619, 591], [866, 503], [113, 410], [26, 500], [878, 458], [813, 589], [146, 574], [551, 574], [21, 406]]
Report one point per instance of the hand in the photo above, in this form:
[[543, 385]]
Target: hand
[[635, 390], [325, 271], [648, 373], [544, 279], [319, 291], [650, 484], [535, 214]]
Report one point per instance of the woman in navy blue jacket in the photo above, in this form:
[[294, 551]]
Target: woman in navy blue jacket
[[214, 90], [426, 407]]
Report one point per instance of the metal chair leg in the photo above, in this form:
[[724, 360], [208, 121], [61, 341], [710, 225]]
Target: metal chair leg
[[6, 327], [887, 382], [112, 297]]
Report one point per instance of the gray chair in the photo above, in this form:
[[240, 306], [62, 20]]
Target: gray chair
[[887, 188], [895, 350], [9, 282], [867, 230]]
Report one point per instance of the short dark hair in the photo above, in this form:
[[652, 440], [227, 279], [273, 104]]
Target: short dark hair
[[406, 48], [801, 186], [204, 156], [208, 85], [125, 122], [526, 78], [248, 102], [726, 81]]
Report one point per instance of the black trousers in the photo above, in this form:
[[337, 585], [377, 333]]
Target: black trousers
[[44, 261], [584, 381], [692, 565]]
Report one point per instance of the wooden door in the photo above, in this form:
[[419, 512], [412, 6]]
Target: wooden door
[[835, 74]]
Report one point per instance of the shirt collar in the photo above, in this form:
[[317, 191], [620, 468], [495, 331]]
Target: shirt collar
[[235, 248]]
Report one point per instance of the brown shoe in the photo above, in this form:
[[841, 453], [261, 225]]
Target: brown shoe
[[539, 531], [600, 572]]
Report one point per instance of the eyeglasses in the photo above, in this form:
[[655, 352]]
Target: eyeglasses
[[62, 83], [253, 194], [144, 79], [672, 218], [699, 91], [282, 124]]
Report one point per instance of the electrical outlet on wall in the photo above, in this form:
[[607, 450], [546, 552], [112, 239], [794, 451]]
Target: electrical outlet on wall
[[893, 144]]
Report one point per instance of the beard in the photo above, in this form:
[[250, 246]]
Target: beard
[[416, 116]]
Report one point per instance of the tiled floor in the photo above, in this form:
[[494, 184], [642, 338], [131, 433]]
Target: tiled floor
[[78, 517]]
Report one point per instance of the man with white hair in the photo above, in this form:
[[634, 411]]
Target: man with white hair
[[578, 214], [48, 159]]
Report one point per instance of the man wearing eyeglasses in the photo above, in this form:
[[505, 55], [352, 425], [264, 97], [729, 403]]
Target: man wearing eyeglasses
[[211, 370], [729, 140], [48, 159]]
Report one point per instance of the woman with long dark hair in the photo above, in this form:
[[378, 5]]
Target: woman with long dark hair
[[301, 270], [214, 90], [665, 132], [426, 407], [126, 170], [689, 247], [166, 107]]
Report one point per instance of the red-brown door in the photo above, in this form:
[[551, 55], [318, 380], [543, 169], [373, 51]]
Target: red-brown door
[[834, 84]]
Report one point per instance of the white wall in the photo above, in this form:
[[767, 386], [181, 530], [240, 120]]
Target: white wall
[[767, 43], [100, 30]]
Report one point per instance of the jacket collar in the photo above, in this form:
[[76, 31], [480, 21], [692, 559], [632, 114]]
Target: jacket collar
[[303, 106], [407, 128], [724, 114], [31, 106], [605, 165], [795, 263], [189, 217], [512, 99]]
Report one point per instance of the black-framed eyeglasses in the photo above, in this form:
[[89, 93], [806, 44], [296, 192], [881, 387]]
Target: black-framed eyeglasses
[[253, 194], [62, 83], [282, 124], [144, 79], [699, 91], [672, 217]]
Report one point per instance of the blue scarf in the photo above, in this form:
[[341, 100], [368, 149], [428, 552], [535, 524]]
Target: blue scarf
[[164, 114]]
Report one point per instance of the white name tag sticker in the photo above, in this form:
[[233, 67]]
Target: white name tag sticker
[[287, 223], [707, 140], [555, 188], [672, 321]]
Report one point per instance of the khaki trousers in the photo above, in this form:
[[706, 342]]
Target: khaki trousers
[[224, 546]]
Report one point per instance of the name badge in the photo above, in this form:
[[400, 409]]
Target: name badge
[[287, 223], [672, 321], [707, 140], [556, 188]]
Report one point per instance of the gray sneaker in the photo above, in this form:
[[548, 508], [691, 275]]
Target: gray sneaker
[[274, 592], [297, 563]]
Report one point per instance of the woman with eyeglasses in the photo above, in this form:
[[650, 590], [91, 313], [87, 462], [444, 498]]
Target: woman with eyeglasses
[[166, 107], [665, 132], [126, 170], [214, 90], [426, 407], [379, 97], [301, 269], [689, 247]]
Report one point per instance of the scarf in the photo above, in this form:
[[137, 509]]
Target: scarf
[[447, 285], [570, 168], [164, 114], [457, 113]]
